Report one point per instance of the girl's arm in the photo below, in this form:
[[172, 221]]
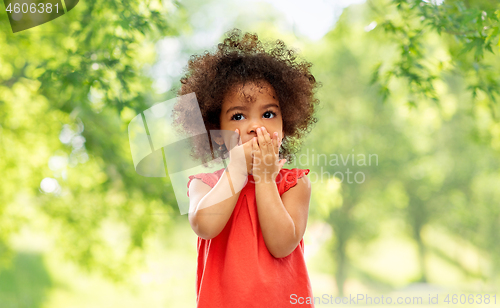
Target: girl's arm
[[210, 208], [283, 219]]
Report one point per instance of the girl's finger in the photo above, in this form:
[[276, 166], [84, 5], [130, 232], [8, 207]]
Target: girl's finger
[[260, 138], [276, 143], [255, 148], [255, 145], [239, 137], [268, 141], [233, 141]]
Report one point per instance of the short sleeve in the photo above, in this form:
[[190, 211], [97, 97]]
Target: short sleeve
[[208, 178], [291, 177]]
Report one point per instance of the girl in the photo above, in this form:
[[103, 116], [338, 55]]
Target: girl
[[250, 217]]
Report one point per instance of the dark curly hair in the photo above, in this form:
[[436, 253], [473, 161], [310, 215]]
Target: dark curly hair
[[240, 59]]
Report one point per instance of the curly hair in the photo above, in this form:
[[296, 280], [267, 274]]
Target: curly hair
[[244, 58]]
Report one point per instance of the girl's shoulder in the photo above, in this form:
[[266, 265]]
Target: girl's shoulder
[[287, 178], [208, 178]]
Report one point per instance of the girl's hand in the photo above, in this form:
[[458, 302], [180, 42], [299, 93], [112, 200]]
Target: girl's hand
[[240, 155], [266, 162]]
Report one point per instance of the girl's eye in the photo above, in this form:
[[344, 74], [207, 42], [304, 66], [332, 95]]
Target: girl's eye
[[269, 114], [237, 116]]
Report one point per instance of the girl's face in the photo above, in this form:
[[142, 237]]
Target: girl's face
[[250, 107]]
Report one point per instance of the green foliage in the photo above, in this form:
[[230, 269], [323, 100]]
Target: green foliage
[[474, 29], [438, 157], [67, 91], [26, 283]]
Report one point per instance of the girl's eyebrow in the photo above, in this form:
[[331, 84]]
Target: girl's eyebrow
[[236, 108], [270, 105]]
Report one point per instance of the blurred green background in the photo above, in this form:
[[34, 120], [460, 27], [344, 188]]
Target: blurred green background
[[409, 112]]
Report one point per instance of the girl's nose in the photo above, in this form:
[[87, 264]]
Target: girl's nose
[[253, 128]]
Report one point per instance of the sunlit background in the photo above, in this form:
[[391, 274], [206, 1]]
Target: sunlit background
[[404, 157]]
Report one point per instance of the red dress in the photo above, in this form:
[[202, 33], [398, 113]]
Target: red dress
[[235, 268]]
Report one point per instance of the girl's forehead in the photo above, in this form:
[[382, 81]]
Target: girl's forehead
[[250, 92]]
